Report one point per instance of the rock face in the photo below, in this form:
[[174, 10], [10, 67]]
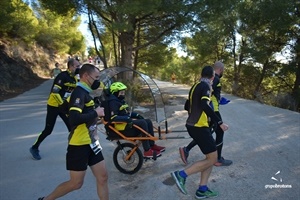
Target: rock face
[[13, 73], [21, 67]]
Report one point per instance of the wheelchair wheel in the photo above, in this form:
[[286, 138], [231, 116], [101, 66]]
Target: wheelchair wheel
[[133, 164]]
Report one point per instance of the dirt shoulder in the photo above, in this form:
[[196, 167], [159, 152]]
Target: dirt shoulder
[[4, 94]]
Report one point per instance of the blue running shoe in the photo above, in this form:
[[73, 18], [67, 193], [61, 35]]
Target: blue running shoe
[[35, 153], [180, 181], [207, 194]]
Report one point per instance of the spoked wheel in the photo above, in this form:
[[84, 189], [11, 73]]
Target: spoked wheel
[[125, 163]]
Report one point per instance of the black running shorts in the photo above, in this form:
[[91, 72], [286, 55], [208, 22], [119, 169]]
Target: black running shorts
[[79, 157], [203, 137]]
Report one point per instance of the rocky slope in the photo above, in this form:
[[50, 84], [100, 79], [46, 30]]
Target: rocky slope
[[23, 66]]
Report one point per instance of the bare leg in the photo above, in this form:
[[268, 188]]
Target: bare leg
[[203, 166], [75, 183], [205, 175], [99, 171]]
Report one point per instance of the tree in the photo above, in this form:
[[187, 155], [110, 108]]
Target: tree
[[18, 20], [55, 28], [268, 27], [294, 33], [5, 16], [249, 35], [156, 18]]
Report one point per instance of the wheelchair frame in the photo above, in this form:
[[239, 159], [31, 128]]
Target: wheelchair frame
[[127, 156], [131, 154]]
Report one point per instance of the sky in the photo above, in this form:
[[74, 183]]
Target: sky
[[85, 31]]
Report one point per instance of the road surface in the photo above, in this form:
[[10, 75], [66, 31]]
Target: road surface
[[262, 141]]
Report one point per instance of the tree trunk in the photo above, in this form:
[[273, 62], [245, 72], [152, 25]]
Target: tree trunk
[[296, 87], [237, 69], [257, 94], [235, 79], [93, 26], [126, 40], [115, 48], [138, 43]]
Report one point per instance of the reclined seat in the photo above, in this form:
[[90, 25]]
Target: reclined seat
[[103, 101]]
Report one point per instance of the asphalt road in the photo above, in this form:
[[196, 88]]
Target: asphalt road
[[262, 141]]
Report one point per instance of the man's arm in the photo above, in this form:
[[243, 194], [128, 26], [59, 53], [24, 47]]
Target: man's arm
[[209, 112], [57, 86], [217, 88]]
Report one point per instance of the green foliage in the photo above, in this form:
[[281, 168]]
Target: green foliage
[[91, 51], [265, 29], [246, 35], [52, 31], [138, 24], [153, 57], [5, 19], [56, 28], [61, 7], [17, 20]]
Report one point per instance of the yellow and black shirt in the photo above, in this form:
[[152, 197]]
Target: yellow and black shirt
[[82, 116], [62, 87], [199, 111], [119, 112]]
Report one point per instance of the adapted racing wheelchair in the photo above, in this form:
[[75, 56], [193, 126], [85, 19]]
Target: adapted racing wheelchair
[[127, 156]]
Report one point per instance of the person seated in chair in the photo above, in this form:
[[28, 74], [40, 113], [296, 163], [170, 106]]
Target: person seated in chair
[[120, 113]]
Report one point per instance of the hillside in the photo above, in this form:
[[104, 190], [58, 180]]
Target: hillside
[[23, 67]]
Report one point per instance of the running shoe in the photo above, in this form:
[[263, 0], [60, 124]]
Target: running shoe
[[35, 153], [158, 148], [180, 181], [150, 153], [183, 154], [207, 194], [41, 198], [223, 162]]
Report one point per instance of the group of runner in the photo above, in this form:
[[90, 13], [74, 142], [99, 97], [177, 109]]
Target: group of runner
[[84, 148]]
